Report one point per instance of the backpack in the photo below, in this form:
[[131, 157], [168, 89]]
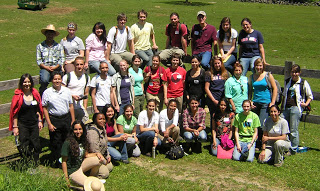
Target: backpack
[[279, 91], [179, 25], [115, 35], [175, 152]]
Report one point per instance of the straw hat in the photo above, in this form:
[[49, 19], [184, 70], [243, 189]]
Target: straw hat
[[49, 28], [93, 184]]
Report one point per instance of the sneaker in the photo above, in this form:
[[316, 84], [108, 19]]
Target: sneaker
[[278, 164], [126, 161]]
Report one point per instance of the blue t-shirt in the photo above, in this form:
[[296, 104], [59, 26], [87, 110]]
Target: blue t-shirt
[[261, 93], [125, 89], [216, 85], [138, 78], [250, 43]]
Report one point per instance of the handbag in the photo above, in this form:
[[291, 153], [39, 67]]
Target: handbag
[[175, 152]]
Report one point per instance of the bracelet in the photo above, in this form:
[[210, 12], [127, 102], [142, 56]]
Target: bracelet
[[263, 149], [40, 120], [15, 126]]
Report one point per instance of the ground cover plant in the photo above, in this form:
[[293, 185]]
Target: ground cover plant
[[289, 32]]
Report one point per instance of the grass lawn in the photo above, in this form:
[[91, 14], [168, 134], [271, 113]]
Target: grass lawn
[[289, 33]]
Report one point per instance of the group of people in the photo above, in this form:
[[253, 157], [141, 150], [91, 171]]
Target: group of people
[[244, 112]]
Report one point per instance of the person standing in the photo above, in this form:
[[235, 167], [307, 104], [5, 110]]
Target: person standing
[[176, 39], [142, 31], [50, 56], [203, 36], [118, 38], [78, 83]]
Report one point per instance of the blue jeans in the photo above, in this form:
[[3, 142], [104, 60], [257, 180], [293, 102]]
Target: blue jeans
[[45, 76], [114, 153], [229, 63], [146, 140], [292, 115], [94, 67], [205, 59], [146, 56], [236, 155], [189, 137], [215, 151], [248, 63], [261, 111]]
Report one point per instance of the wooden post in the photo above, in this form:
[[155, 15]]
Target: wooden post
[[287, 69]]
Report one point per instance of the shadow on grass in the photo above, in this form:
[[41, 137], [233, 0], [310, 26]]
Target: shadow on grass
[[193, 4]]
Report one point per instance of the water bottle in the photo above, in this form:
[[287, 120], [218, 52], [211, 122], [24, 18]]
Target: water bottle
[[16, 138], [153, 152]]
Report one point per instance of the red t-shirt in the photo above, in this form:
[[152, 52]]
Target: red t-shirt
[[175, 79], [154, 86], [176, 36]]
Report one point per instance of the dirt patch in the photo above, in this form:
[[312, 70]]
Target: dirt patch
[[9, 6], [209, 176], [3, 20], [58, 11]]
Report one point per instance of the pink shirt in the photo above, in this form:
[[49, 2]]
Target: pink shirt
[[175, 79], [95, 47], [110, 129]]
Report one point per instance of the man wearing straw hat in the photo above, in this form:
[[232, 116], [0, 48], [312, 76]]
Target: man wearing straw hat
[[50, 56]]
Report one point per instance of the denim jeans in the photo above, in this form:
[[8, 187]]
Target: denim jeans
[[229, 63], [215, 151], [189, 137], [292, 115], [205, 59], [146, 56], [146, 141], [94, 67], [114, 153], [45, 76], [248, 63], [236, 155], [261, 111]]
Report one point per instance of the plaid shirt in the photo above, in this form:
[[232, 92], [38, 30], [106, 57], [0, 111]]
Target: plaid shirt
[[194, 122], [50, 56]]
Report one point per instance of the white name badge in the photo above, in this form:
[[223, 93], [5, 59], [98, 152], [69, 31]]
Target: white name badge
[[176, 32], [196, 81], [226, 120], [179, 76], [249, 120], [34, 102], [127, 80], [196, 32], [127, 126], [150, 83], [276, 129], [140, 74]]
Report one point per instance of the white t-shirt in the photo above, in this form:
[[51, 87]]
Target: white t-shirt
[[120, 44], [77, 86], [227, 44], [103, 88], [165, 122], [143, 119]]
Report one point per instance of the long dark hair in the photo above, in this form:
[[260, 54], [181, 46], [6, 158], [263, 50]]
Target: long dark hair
[[22, 78], [103, 37], [218, 113], [222, 32], [73, 143]]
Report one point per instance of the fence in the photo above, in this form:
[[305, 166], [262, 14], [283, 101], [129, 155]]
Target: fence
[[12, 84]]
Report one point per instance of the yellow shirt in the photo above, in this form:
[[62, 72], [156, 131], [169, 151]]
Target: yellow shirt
[[141, 35]]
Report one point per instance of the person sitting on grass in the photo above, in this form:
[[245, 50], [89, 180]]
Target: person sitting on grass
[[246, 132], [275, 138], [194, 125], [75, 157]]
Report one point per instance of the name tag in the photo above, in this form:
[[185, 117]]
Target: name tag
[[196, 81], [249, 120], [140, 74], [101, 84], [252, 39], [34, 102], [127, 80], [196, 32], [176, 32], [276, 129], [179, 76], [226, 120], [150, 84], [127, 126]]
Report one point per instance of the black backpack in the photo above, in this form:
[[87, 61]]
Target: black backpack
[[175, 152]]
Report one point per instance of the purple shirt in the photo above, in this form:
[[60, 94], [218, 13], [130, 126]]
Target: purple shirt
[[194, 122], [203, 38]]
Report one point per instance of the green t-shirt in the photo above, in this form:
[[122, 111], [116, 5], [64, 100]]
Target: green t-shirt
[[73, 163], [246, 125], [128, 125]]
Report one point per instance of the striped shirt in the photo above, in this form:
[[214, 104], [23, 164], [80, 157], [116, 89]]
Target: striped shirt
[[50, 56], [57, 102]]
